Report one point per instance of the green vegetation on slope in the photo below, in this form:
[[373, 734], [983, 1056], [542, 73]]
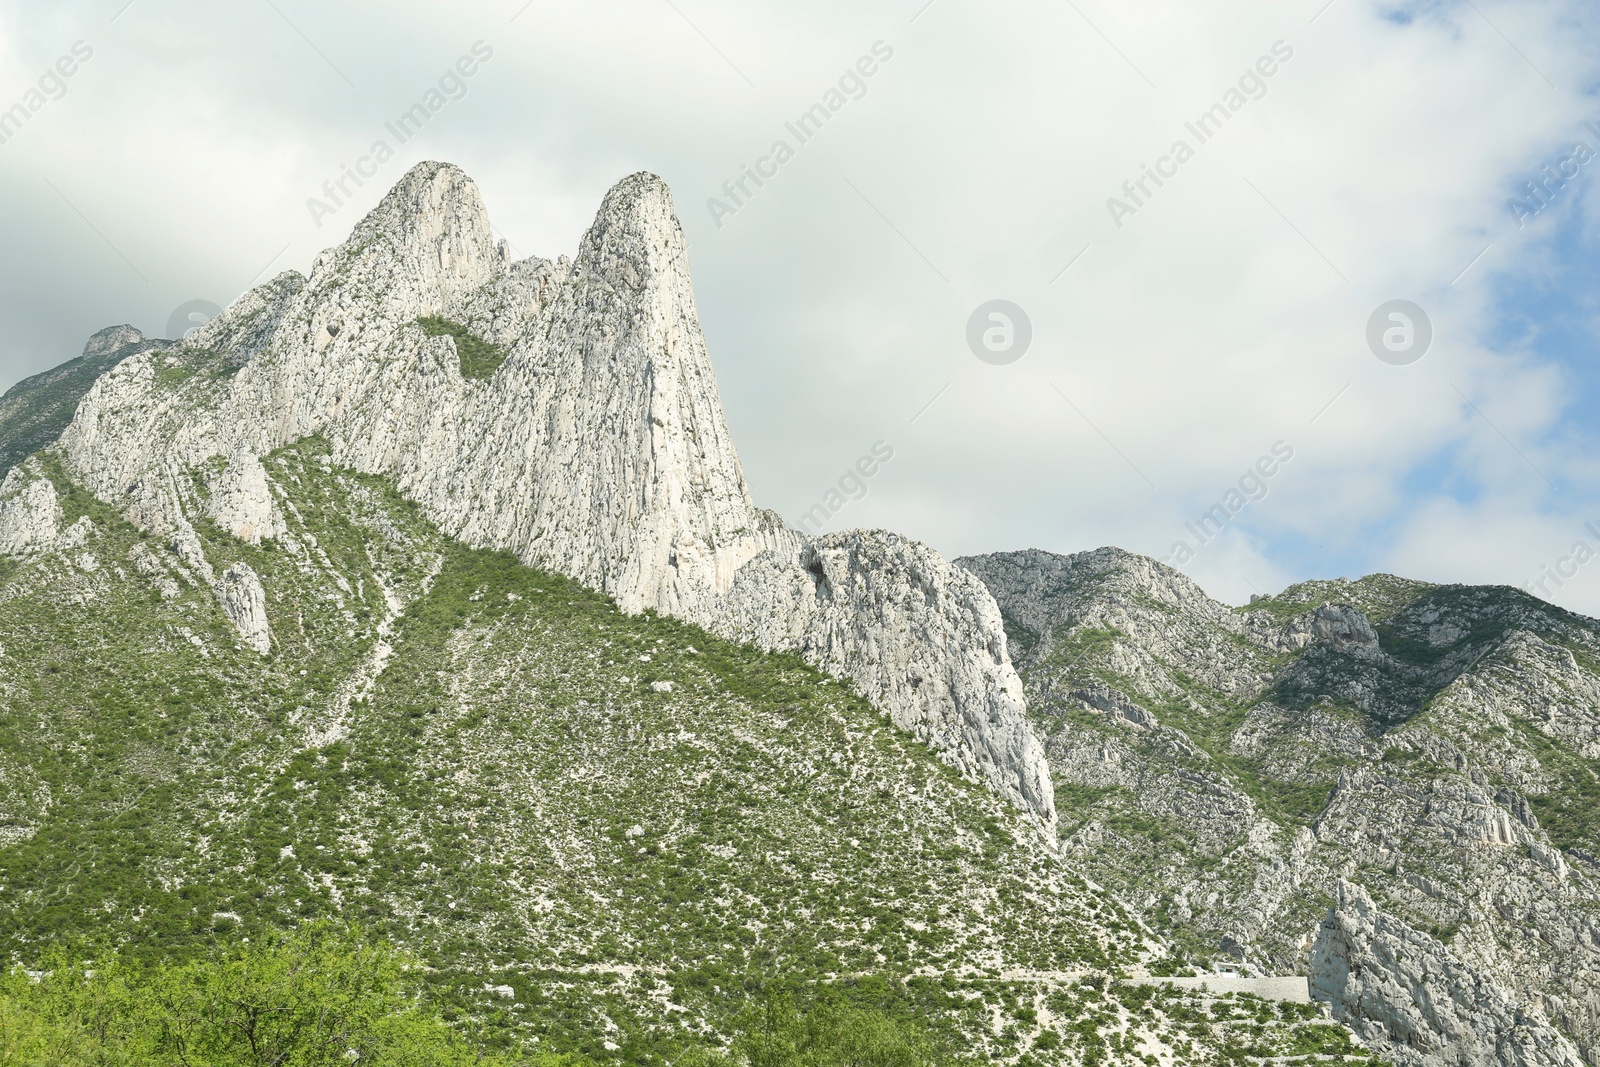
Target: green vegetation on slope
[[479, 358], [319, 996], [35, 411], [470, 757], [606, 835]]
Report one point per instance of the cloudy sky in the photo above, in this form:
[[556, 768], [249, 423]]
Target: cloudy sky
[[1186, 329]]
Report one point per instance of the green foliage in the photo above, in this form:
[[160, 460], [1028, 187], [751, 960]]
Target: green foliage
[[476, 760], [479, 358], [1570, 812], [1378, 596], [1078, 649], [506, 794], [318, 997], [830, 1033]]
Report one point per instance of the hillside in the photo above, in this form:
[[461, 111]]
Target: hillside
[[601, 830], [1422, 760], [35, 410], [425, 591]]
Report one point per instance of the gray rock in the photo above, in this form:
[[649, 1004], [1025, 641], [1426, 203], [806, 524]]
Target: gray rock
[[920, 638], [1391, 734], [30, 513], [1405, 994], [598, 449], [244, 602]]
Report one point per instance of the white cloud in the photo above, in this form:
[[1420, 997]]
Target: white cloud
[[1213, 323]]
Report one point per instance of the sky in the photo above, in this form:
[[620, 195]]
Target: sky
[[1200, 218]]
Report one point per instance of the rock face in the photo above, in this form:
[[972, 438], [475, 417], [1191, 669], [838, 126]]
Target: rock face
[[1400, 988], [30, 514], [919, 637], [1238, 772], [597, 449], [35, 410], [244, 602], [240, 501]]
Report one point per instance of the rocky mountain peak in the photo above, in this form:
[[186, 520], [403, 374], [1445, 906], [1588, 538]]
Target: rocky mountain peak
[[636, 223], [431, 234], [592, 444], [1105, 588], [109, 340]]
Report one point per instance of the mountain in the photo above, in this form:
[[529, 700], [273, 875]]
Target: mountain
[[426, 591], [596, 448], [1388, 785], [35, 410]]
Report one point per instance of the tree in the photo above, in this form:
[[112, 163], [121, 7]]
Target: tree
[[317, 997]]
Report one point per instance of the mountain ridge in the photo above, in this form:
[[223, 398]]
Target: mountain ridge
[[428, 587], [598, 449], [1398, 804]]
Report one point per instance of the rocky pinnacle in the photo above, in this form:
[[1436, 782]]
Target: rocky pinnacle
[[597, 449]]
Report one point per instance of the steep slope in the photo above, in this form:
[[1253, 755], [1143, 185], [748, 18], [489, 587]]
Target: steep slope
[[594, 447], [603, 830], [35, 410], [1388, 785]]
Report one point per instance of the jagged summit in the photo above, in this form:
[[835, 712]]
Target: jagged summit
[[636, 215], [595, 447], [434, 206], [110, 340], [425, 248]]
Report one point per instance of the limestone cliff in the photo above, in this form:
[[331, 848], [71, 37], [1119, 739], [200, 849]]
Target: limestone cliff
[[1255, 778], [1405, 992], [596, 448]]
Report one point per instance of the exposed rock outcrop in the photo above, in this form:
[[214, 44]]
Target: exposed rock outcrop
[[1225, 768], [240, 501], [30, 514], [35, 410], [1407, 995], [244, 602], [920, 637], [597, 449]]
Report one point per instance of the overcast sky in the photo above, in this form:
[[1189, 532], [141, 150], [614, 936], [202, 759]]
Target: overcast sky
[[1182, 330]]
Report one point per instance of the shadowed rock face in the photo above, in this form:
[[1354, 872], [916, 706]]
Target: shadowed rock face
[[1384, 784], [598, 449]]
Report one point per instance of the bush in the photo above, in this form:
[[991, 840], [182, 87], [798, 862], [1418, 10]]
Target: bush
[[831, 1033], [479, 358], [316, 997]]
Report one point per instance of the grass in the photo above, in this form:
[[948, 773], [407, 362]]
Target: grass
[[479, 359], [510, 798]]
